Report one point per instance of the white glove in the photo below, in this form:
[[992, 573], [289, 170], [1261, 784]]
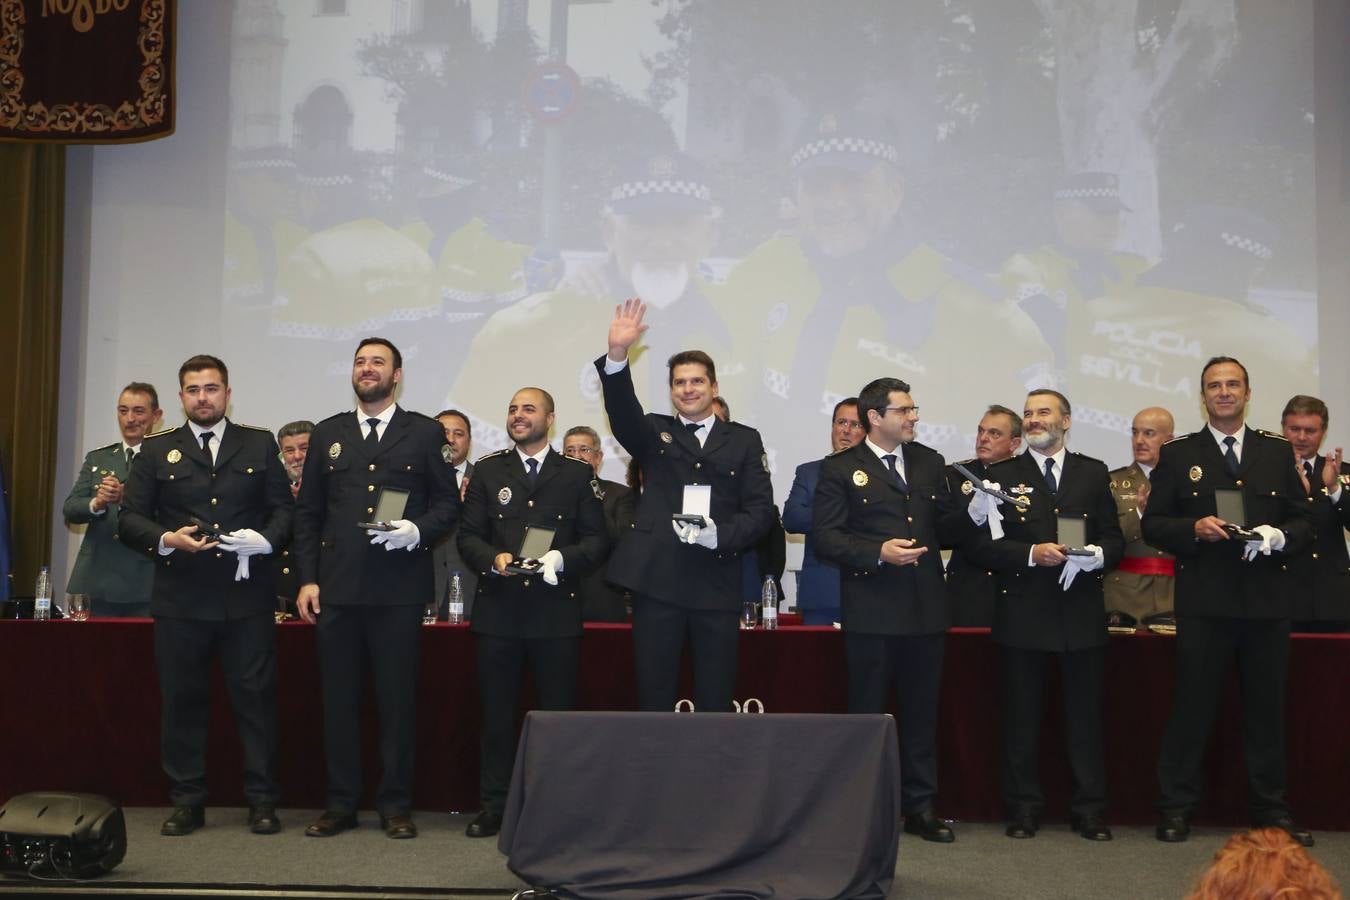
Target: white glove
[[404, 536], [983, 505], [551, 563], [704, 536], [1272, 538], [241, 569], [1075, 564], [684, 531], [245, 542]]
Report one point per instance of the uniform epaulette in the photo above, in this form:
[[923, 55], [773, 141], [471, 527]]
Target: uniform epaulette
[[492, 454], [1271, 434], [1180, 437], [162, 431], [420, 415], [115, 445], [966, 462], [1085, 458], [336, 416], [254, 427], [574, 459], [840, 450]]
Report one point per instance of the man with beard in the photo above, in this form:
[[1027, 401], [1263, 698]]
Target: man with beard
[[1232, 596], [600, 600], [658, 224], [526, 618], [1142, 586], [366, 588], [971, 590], [1323, 598], [685, 578], [818, 581], [203, 501], [856, 289], [1050, 610], [446, 553], [116, 578], [881, 510]]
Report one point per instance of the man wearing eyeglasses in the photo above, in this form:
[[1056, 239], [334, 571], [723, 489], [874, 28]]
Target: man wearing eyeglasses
[[881, 507], [818, 581], [600, 600]]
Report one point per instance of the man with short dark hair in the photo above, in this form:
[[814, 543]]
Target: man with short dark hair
[[116, 578], [1322, 601], [881, 508], [1232, 596], [374, 581], [293, 439], [600, 600], [1050, 609], [445, 555], [818, 580], [971, 590], [685, 578], [524, 618], [1141, 587], [203, 501]]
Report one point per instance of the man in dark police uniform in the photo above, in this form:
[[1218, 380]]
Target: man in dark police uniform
[[211, 598], [366, 598], [684, 578]]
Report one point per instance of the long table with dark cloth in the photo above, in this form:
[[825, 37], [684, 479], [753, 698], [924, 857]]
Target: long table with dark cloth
[[81, 713], [807, 805]]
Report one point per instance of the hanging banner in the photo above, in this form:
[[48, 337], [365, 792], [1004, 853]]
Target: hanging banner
[[86, 71]]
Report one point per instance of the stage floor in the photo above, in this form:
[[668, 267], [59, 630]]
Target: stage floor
[[443, 863]]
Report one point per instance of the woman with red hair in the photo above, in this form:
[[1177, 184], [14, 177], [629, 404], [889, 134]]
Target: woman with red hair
[[1264, 863]]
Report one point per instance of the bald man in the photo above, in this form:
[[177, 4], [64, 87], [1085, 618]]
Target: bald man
[[1142, 585]]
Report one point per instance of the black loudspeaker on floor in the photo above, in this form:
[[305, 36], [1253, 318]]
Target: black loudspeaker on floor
[[51, 834]]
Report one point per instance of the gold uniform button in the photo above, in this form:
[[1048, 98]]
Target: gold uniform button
[[370, 510], [372, 467], [214, 501], [527, 582], [370, 488], [732, 473], [219, 555], [1314, 555], [909, 518], [698, 465], [249, 470], [529, 503], [1239, 482], [285, 570], [407, 468]]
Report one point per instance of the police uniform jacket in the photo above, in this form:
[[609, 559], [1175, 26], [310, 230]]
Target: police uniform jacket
[[1140, 594], [341, 481], [1323, 570], [172, 481], [818, 586], [970, 586], [858, 507], [499, 505], [105, 568], [1213, 578], [602, 601], [650, 559], [1034, 612]]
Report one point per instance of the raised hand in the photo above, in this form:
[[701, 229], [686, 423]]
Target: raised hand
[[1331, 471], [626, 328]]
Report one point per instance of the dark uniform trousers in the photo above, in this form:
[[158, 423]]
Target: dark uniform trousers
[[684, 593], [202, 614], [1038, 623], [371, 598], [521, 621], [971, 591], [1227, 609], [894, 617]]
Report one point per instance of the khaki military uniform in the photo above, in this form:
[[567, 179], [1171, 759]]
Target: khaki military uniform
[[1142, 585]]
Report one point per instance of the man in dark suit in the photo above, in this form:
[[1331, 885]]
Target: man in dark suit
[[1322, 601], [1050, 610], [601, 601], [1232, 596], [208, 601], [971, 590], [818, 581], [684, 578], [445, 555], [372, 595], [293, 439], [879, 509], [526, 618], [116, 578]]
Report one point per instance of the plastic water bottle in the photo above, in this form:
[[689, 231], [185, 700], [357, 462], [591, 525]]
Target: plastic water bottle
[[768, 601], [456, 611], [42, 602]]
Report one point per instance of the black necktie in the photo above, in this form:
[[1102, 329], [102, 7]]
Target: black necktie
[[130, 455], [372, 436], [206, 445], [692, 428], [1050, 480], [1307, 470], [895, 473], [1230, 460], [531, 470]]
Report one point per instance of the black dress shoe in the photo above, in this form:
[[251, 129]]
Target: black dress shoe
[[1091, 828], [929, 827], [1285, 823], [331, 823], [185, 820], [398, 827], [1172, 828], [486, 824], [1022, 827], [262, 819]]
